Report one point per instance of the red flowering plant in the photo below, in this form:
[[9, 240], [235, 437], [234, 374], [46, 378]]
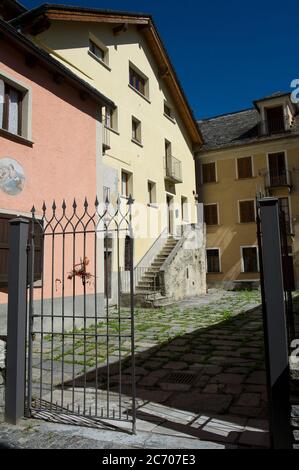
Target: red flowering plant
[[79, 270]]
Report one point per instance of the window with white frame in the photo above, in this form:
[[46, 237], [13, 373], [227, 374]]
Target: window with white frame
[[126, 183], [151, 191], [12, 108], [249, 259], [213, 260], [110, 118], [138, 81], [136, 130], [98, 51]]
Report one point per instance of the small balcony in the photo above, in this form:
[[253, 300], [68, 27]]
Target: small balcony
[[173, 169], [278, 179], [106, 138], [275, 125]]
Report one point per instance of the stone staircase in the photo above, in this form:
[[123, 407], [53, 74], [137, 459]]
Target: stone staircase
[[148, 283], [148, 292]]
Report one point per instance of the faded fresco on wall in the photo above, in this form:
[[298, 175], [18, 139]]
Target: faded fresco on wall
[[12, 176]]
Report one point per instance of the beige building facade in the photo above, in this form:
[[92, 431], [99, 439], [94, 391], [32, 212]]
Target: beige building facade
[[246, 154]]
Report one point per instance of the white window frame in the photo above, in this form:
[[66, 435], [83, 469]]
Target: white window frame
[[104, 49], [252, 167], [216, 171], [285, 152], [219, 256], [146, 94], [218, 213], [26, 124], [242, 259]]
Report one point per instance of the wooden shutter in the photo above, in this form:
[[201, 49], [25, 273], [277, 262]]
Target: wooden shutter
[[127, 254], [244, 167], [211, 214], [250, 260], [4, 250], [213, 261], [209, 172], [4, 241], [247, 213]]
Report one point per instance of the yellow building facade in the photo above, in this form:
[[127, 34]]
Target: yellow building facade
[[245, 154], [150, 139]]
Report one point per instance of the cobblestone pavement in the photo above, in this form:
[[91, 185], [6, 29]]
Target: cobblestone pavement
[[199, 369]]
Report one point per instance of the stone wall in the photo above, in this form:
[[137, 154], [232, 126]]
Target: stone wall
[[183, 275]]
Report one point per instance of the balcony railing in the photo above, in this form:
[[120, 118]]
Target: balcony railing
[[274, 125], [106, 138], [278, 179], [173, 169]]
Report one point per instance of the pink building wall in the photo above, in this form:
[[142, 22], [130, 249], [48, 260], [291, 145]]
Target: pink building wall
[[62, 162]]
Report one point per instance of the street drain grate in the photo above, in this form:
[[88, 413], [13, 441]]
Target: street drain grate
[[183, 378]]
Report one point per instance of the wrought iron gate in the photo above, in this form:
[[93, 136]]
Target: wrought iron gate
[[80, 349]]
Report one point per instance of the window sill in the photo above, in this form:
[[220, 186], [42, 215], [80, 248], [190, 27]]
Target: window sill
[[16, 138], [246, 223], [137, 142], [140, 94], [247, 178], [171, 119], [99, 61], [153, 206]]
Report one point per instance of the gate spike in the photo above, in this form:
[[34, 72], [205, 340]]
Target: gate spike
[[54, 206], [85, 203], [118, 201], [74, 205], [96, 202], [44, 208], [63, 205], [107, 201]]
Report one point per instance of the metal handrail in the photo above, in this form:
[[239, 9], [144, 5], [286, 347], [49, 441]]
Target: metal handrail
[[278, 178]]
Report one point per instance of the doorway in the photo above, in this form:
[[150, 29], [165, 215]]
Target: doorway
[[169, 202]]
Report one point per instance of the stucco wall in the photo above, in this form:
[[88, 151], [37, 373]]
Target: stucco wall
[[146, 162], [64, 158], [184, 274]]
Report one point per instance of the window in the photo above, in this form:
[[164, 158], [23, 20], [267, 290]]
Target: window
[[136, 130], [211, 214], [168, 111], [151, 190], [184, 209], [106, 193], [244, 167], [249, 259], [275, 120], [11, 101], [126, 184], [168, 151], [209, 172], [138, 82], [247, 211], [285, 208], [278, 175], [110, 118], [96, 50], [213, 261]]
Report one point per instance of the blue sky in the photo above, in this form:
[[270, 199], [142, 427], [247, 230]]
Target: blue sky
[[226, 54]]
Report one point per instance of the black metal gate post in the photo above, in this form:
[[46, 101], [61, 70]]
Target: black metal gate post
[[16, 321], [275, 329]]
